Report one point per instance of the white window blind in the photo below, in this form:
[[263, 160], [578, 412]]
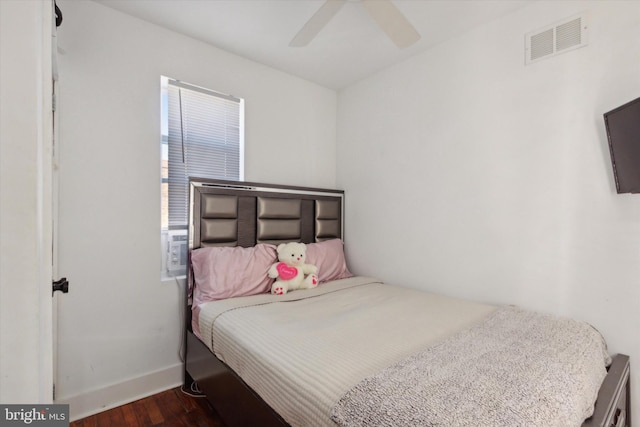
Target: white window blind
[[204, 141]]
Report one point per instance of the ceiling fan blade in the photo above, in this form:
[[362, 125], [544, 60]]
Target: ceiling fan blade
[[392, 22], [317, 22]]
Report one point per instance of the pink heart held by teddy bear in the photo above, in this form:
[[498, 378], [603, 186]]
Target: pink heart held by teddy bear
[[286, 272]]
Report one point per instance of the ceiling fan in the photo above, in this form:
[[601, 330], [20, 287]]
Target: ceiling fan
[[384, 12]]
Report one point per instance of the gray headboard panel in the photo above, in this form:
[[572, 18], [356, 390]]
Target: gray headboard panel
[[279, 220], [328, 217], [230, 213]]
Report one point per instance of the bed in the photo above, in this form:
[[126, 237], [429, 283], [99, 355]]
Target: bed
[[304, 358]]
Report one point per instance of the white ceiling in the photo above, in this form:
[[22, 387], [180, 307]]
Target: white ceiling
[[349, 48]]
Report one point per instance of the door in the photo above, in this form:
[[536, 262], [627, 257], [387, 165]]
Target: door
[[47, 336], [54, 237], [56, 19]]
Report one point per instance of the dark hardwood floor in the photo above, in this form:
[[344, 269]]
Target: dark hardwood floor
[[167, 409]]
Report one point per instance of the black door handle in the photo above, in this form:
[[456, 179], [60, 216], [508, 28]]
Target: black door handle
[[61, 285]]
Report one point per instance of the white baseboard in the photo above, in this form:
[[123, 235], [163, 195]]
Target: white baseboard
[[114, 395]]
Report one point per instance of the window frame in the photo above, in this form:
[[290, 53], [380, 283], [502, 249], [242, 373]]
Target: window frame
[[166, 228]]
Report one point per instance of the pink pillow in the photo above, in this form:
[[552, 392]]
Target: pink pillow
[[328, 256], [231, 271]]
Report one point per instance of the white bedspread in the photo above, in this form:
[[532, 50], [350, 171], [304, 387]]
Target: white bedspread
[[342, 332], [517, 368]]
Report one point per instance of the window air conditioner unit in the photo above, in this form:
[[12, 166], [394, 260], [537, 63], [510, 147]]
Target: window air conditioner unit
[[176, 252]]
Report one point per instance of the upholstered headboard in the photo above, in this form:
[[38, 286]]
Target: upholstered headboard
[[232, 213]]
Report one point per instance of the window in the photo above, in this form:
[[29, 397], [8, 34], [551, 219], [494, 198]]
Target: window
[[202, 136]]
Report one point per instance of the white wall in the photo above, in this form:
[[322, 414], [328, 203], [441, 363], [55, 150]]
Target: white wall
[[119, 325], [471, 174], [26, 371]]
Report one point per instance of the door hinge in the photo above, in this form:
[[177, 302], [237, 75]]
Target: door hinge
[[61, 285], [53, 103]]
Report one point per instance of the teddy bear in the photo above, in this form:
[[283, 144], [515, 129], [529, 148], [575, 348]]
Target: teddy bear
[[290, 270]]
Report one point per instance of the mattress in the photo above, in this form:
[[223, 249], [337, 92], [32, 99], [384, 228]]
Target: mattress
[[342, 332]]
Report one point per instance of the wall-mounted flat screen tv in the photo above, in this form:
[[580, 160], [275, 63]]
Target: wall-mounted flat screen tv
[[623, 133]]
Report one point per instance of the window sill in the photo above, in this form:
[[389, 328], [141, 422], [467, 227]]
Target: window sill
[[173, 279]]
